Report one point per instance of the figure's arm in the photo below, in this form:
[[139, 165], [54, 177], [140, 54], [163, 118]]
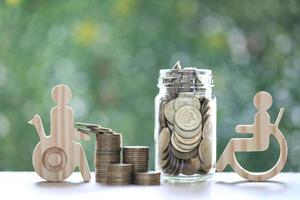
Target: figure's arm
[[81, 136], [244, 129]]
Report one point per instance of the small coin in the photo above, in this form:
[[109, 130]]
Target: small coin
[[172, 164], [169, 111], [166, 161], [164, 158], [135, 148], [188, 118], [186, 99], [188, 134], [147, 178], [207, 129], [205, 104], [184, 155], [83, 130], [162, 120], [181, 147], [188, 141], [205, 154], [109, 136], [170, 126], [88, 125], [188, 167], [118, 181], [196, 163], [164, 139]]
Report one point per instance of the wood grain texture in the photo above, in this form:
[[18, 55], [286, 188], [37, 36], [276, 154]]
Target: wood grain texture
[[261, 130], [57, 155]]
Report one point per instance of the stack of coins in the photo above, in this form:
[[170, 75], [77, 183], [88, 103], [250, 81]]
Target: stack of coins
[[186, 135], [147, 178], [138, 156], [107, 148], [108, 168], [119, 174]]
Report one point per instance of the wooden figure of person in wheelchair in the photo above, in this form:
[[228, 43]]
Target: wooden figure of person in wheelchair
[[261, 130], [57, 155]]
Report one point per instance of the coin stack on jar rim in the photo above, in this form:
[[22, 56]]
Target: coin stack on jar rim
[[186, 122]]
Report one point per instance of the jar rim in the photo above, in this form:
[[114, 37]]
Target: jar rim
[[199, 78]]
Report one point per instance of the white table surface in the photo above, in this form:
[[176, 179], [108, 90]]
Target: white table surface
[[28, 185]]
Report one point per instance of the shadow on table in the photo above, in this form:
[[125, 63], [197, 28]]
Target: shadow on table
[[269, 185], [63, 184]]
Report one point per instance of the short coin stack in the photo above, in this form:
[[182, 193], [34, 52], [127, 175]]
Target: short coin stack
[[186, 135], [147, 178], [119, 174], [138, 156]]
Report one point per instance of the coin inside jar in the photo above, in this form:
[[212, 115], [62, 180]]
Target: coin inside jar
[[164, 139], [186, 99], [188, 118], [169, 111], [205, 154], [188, 167], [188, 134], [188, 141]]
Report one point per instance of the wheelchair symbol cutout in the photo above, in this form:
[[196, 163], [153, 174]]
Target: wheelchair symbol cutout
[[261, 129], [57, 155]]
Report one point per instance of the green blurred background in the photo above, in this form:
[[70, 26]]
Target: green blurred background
[[110, 53]]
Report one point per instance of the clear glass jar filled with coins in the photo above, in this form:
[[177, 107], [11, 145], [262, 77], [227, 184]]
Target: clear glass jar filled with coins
[[185, 124]]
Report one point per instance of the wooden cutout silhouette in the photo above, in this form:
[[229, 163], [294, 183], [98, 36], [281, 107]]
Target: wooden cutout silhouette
[[57, 155], [261, 130]]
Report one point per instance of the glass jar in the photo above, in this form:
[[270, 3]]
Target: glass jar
[[185, 124]]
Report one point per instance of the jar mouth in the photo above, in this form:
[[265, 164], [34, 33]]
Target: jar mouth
[[189, 77]]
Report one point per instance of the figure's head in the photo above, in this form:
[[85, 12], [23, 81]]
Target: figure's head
[[61, 94], [263, 100]]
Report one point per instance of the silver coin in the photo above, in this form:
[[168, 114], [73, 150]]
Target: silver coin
[[188, 141], [184, 155], [181, 147], [188, 134], [186, 99], [164, 139], [170, 126], [169, 111], [188, 167], [205, 104], [162, 119], [188, 118], [205, 154], [207, 128]]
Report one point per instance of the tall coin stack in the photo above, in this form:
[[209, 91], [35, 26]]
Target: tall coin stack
[[107, 148], [138, 156], [107, 151]]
